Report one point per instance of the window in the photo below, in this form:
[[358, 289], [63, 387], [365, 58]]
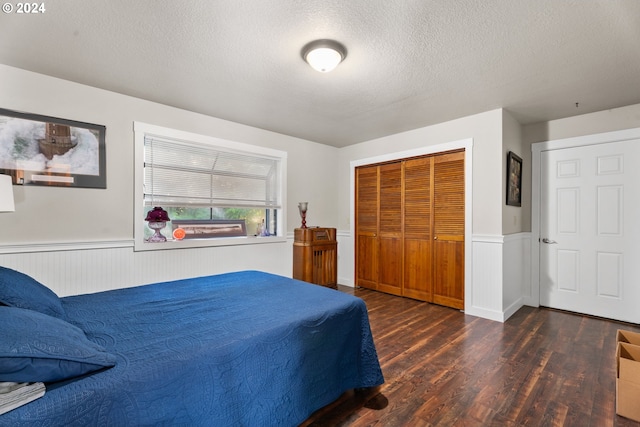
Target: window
[[195, 177]]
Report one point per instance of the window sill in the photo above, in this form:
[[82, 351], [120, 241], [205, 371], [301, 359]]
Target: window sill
[[203, 243]]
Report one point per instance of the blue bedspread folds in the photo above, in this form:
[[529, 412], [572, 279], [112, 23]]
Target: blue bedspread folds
[[237, 349]]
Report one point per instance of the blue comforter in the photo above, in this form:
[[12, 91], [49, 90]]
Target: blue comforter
[[237, 349]]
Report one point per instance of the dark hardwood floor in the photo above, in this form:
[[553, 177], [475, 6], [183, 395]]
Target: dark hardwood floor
[[542, 367]]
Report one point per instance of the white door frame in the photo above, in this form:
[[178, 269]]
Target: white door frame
[[533, 299]]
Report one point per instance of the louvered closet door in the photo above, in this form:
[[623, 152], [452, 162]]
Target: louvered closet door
[[448, 223], [390, 229], [367, 227], [418, 240]]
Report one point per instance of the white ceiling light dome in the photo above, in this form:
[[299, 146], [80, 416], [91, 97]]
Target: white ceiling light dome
[[324, 55]]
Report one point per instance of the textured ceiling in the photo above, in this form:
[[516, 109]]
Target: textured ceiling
[[410, 63]]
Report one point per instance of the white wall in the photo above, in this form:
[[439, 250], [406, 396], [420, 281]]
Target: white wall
[[486, 131], [515, 219], [71, 254], [627, 117], [53, 235], [516, 222], [57, 219]]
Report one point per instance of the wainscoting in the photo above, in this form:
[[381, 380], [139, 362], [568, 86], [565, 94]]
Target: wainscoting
[[501, 275], [78, 268]]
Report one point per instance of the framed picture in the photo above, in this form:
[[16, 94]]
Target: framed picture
[[206, 229], [514, 180], [42, 150]]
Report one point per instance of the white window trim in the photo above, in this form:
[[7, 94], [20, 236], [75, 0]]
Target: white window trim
[[143, 129]]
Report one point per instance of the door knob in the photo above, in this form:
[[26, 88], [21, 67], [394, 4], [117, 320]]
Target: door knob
[[548, 241]]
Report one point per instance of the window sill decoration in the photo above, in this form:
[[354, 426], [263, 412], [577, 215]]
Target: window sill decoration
[[157, 219], [213, 228]]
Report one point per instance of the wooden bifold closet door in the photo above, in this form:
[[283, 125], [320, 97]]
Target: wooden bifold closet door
[[410, 228]]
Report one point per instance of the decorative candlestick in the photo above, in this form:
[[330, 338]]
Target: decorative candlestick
[[302, 207]]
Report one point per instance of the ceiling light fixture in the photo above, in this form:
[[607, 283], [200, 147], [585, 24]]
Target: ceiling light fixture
[[324, 55]]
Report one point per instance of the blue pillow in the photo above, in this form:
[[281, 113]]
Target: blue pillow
[[36, 347], [19, 290]]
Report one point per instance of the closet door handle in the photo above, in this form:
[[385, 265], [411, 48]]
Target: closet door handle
[[435, 238], [548, 241]]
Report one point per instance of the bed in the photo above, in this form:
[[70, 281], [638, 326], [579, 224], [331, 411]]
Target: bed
[[238, 349]]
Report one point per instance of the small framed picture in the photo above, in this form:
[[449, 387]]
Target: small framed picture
[[207, 229], [514, 180]]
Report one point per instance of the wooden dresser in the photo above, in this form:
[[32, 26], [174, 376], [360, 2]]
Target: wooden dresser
[[315, 256]]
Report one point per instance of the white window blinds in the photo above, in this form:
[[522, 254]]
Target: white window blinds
[[184, 174]]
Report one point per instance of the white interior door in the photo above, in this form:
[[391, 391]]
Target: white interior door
[[589, 232]]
